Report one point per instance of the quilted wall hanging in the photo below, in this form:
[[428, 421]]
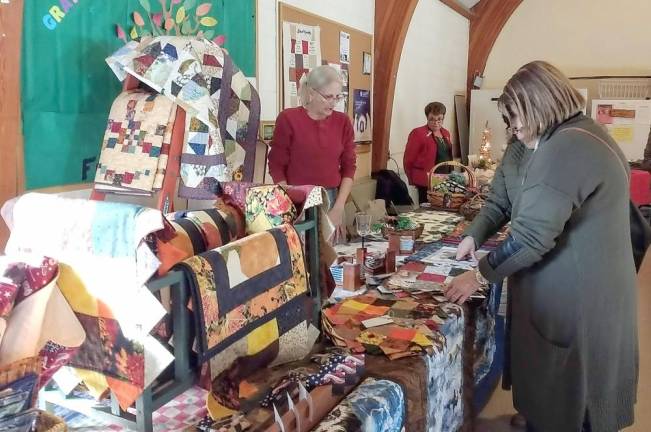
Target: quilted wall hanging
[[65, 110]]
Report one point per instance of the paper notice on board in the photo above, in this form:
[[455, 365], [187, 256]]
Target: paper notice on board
[[643, 114], [344, 47], [622, 134]]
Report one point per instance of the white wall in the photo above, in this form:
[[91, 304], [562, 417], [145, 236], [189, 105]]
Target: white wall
[[432, 67], [581, 37], [358, 14]]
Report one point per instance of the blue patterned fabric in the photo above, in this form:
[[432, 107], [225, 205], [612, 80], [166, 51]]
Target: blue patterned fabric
[[374, 406]]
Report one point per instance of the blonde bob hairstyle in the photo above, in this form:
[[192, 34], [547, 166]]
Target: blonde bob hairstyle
[[318, 78], [541, 97]]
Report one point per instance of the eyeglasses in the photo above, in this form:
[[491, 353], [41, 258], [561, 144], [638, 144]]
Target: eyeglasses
[[331, 98], [514, 130]]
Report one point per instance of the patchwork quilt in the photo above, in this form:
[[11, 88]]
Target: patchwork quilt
[[252, 309], [223, 108], [136, 143]]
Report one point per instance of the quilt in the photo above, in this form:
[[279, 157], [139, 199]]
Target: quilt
[[413, 327], [136, 143], [375, 405], [252, 309], [223, 108], [104, 263]]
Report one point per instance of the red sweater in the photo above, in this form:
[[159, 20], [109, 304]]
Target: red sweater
[[420, 154], [312, 152]]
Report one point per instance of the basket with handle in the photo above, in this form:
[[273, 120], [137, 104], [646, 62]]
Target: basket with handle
[[446, 200], [471, 208]]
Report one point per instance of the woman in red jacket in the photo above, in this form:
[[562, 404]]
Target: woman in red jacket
[[427, 146]]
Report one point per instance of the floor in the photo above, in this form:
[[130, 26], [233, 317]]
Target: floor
[[495, 417]]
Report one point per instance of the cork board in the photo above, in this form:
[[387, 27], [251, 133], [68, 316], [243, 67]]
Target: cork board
[[360, 42]]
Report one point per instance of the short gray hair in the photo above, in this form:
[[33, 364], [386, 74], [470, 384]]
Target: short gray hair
[[318, 77]]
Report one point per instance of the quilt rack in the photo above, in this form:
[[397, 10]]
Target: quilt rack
[[181, 374]]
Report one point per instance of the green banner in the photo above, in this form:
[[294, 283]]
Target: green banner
[[67, 88]]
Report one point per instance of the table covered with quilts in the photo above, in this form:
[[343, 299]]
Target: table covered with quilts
[[437, 351]]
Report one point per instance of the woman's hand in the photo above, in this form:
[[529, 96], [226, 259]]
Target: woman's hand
[[336, 215], [466, 247], [462, 287]]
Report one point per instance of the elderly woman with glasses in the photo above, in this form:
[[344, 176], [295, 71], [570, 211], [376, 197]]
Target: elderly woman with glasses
[[427, 146], [313, 144], [574, 347]]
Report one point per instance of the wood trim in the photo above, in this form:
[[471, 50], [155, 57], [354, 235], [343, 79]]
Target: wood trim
[[458, 8], [392, 20], [11, 170], [485, 26]]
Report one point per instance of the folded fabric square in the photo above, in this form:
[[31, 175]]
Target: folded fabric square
[[268, 207]]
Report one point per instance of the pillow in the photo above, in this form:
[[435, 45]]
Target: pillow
[[192, 232], [267, 207]]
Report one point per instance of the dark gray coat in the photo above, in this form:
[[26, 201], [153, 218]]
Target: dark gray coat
[[572, 281]]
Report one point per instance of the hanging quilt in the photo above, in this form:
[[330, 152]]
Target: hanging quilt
[[251, 306], [223, 108], [104, 263], [136, 143]]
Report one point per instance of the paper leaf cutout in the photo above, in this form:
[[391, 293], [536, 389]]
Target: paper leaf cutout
[[137, 18], [169, 24], [146, 33], [180, 15], [174, 2], [188, 4], [157, 18], [134, 33], [145, 5], [208, 21], [186, 29], [220, 40], [120, 33], [209, 34], [203, 9]]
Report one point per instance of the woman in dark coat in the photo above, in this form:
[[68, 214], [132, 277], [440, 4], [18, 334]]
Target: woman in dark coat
[[574, 359]]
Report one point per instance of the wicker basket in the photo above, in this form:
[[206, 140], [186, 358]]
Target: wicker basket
[[50, 423], [471, 208], [414, 233], [450, 201]]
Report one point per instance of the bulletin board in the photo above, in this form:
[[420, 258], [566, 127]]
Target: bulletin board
[[627, 121], [360, 43]]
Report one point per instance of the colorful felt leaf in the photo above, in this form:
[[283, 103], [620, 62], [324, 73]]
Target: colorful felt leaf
[[133, 33], [188, 4], [145, 5], [137, 18], [220, 40], [180, 15], [208, 21], [186, 28], [157, 18], [203, 9], [169, 24], [209, 34], [120, 32]]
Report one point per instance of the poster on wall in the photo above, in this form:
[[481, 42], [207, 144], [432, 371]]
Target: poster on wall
[[628, 122], [65, 110], [342, 104], [344, 47], [362, 115], [301, 53]]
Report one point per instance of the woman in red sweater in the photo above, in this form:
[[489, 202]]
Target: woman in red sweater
[[427, 146], [313, 144]]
